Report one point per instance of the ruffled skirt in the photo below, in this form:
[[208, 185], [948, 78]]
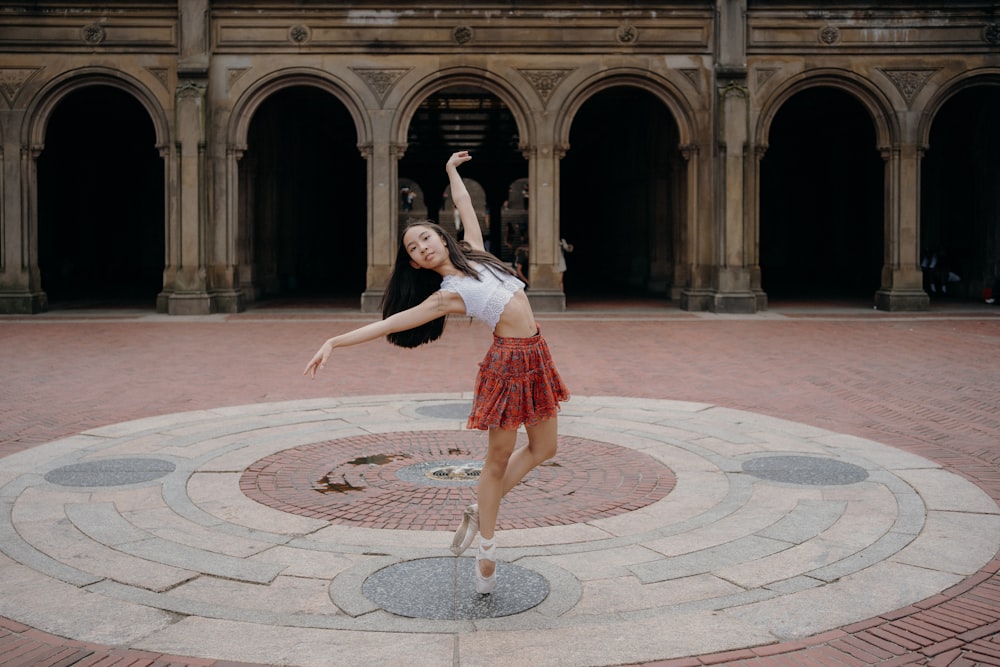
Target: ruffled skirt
[[517, 384]]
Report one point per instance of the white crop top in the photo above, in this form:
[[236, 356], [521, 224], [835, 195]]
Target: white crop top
[[484, 299]]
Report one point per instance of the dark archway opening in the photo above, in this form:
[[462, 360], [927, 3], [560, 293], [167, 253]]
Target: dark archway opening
[[305, 191], [960, 196], [821, 200], [100, 202], [620, 197], [465, 117]]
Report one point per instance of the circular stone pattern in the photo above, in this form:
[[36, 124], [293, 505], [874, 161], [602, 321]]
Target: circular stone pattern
[[368, 481], [809, 470], [443, 589], [110, 472]]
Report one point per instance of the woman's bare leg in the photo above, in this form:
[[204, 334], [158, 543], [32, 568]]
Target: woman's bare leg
[[540, 448], [491, 479]]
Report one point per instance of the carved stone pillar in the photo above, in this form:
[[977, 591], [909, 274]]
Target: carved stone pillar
[[20, 280], [732, 275], [902, 281], [543, 228], [186, 237], [381, 158]]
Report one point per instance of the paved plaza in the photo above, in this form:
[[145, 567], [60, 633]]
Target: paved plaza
[[810, 485]]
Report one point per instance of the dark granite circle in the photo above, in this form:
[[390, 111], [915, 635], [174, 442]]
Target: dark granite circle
[[379, 480], [446, 410], [110, 472], [807, 470], [444, 589]]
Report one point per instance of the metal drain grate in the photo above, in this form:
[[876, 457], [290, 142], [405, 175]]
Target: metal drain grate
[[465, 472]]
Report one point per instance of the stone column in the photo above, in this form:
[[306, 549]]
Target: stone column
[[187, 256], [732, 274], [543, 228], [381, 158], [20, 280], [902, 280]]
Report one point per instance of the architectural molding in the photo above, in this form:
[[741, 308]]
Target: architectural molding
[[545, 81], [12, 80], [908, 82], [380, 80]]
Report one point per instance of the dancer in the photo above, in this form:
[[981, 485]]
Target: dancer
[[517, 383]]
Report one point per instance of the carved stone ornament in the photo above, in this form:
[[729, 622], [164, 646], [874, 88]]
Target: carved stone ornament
[[909, 82], [627, 34], [829, 34], [694, 76], [162, 75], [93, 33], [462, 34], [544, 81], [991, 33], [233, 75], [764, 74], [299, 34], [12, 80], [380, 81]]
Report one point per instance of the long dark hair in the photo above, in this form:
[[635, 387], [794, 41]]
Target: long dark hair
[[409, 286]]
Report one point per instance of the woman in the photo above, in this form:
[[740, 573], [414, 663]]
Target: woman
[[436, 276]]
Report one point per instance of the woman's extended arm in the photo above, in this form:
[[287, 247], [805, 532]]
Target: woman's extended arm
[[433, 307], [463, 201]]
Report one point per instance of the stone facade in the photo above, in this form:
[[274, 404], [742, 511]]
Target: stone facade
[[722, 72]]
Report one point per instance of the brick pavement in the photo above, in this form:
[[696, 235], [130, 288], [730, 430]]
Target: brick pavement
[[925, 383]]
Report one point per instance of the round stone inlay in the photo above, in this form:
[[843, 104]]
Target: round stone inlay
[[110, 472], [809, 470], [444, 589], [446, 410], [381, 481]]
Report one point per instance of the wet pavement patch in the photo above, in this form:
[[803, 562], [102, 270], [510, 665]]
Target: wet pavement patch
[[808, 470], [110, 472], [444, 589]]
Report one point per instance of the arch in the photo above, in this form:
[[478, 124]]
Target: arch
[[248, 103], [887, 131], [661, 88], [969, 79], [40, 109], [458, 76]]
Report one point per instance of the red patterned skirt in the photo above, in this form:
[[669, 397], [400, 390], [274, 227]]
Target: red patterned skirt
[[517, 384]]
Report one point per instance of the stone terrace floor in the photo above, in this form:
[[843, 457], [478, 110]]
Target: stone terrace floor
[[691, 395]]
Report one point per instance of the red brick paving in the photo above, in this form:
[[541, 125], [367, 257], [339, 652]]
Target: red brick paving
[[926, 383], [604, 481]]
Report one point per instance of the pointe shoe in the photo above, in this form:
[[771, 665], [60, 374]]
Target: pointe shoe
[[466, 531], [487, 552]]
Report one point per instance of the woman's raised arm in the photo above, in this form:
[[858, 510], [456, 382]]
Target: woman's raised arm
[[463, 201]]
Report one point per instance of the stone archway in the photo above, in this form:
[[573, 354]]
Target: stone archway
[[303, 210], [100, 199], [623, 196], [960, 182], [821, 199], [465, 116]]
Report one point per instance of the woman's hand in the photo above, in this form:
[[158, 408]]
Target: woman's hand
[[458, 158], [319, 359]]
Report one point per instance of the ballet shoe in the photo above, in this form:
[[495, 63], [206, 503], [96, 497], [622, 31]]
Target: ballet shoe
[[466, 531], [487, 552]]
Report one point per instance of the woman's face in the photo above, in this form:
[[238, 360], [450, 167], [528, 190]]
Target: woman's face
[[426, 248]]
